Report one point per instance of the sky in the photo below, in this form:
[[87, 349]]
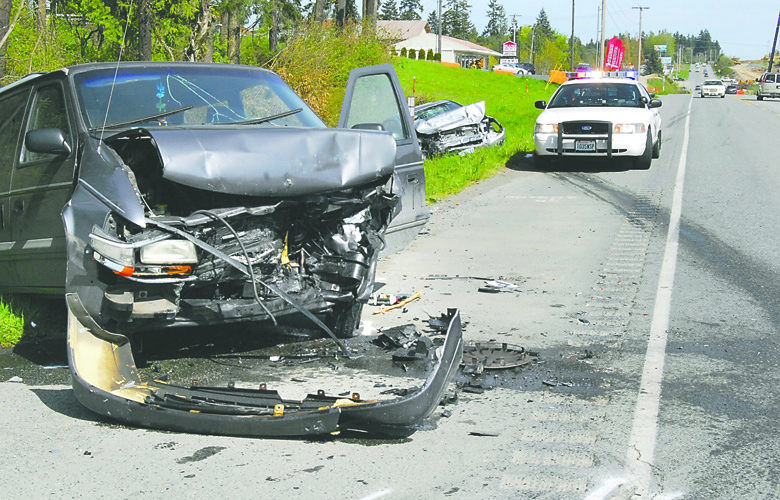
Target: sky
[[745, 30]]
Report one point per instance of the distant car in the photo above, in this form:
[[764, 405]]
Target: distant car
[[512, 67], [528, 67], [713, 88], [768, 86], [731, 89], [598, 118], [446, 126]]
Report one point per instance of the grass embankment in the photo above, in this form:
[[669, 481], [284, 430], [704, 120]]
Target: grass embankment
[[508, 99]]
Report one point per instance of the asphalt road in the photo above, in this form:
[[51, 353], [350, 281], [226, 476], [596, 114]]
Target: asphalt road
[[600, 278]]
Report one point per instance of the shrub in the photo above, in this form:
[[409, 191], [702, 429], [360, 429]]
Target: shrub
[[403, 51], [437, 57], [412, 54], [317, 59], [430, 55]]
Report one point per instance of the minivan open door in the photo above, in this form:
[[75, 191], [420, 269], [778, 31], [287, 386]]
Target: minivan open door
[[374, 100]]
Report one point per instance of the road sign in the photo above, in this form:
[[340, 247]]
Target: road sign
[[510, 48]]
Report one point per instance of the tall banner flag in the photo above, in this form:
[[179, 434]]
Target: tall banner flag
[[613, 56]]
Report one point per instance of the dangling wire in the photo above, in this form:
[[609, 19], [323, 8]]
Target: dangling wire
[[116, 71]]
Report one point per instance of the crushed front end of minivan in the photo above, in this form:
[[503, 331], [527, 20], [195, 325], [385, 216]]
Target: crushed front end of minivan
[[212, 194]]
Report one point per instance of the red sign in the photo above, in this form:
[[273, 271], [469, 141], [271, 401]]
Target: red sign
[[613, 57], [510, 48]]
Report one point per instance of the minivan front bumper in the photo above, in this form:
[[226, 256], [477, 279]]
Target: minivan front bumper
[[106, 380]]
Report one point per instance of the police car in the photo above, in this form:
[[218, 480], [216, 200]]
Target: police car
[[593, 117]]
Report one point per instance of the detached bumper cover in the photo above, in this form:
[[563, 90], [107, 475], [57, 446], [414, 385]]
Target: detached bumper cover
[[106, 381]]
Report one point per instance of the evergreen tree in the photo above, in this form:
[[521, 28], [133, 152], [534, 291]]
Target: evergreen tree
[[388, 11], [409, 10], [652, 62], [543, 28], [497, 26], [433, 22], [455, 20]]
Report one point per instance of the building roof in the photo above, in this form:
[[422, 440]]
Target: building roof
[[428, 41], [402, 30]]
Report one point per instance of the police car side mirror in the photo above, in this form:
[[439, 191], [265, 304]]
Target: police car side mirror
[[656, 103], [540, 104]]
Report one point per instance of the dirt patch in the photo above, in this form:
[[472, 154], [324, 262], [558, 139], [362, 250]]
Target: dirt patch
[[749, 70]]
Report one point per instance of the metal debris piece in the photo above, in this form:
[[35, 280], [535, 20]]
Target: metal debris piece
[[483, 434], [496, 286], [397, 337], [494, 356]]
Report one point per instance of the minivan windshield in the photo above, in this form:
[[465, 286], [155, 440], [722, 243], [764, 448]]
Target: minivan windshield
[[159, 96]]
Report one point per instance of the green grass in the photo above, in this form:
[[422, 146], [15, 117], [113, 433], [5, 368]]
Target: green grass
[[508, 99], [669, 87], [11, 325]]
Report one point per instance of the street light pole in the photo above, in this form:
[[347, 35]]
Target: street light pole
[[571, 40], [603, 33], [639, 58]]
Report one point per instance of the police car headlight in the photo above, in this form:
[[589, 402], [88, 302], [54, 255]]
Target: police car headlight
[[629, 128], [546, 128]]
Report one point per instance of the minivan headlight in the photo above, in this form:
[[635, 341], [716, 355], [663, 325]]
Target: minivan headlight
[[169, 252]]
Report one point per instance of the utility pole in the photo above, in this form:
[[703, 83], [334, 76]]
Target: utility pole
[[602, 55], [639, 61], [571, 40], [533, 35], [774, 44], [514, 28], [438, 32]]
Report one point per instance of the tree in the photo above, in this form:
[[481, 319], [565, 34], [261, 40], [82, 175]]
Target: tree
[[497, 26], [455, 20], [433, 22], [543, 29], [388, 11], [652, 63], [409, 10]]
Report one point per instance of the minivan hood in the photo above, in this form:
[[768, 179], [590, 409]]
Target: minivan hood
[[252, 161]]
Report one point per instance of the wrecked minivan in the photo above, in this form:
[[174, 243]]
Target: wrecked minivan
[[158, 195], [447, 127]]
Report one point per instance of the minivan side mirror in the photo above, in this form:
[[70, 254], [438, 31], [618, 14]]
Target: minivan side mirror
[[48, 141]]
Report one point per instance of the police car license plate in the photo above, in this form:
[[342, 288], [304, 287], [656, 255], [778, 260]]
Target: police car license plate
[[585, 146]]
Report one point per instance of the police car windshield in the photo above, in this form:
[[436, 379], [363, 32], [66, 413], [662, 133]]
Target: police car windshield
[[594, 93]]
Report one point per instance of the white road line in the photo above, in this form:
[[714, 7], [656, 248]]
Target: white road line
[[641, 445]]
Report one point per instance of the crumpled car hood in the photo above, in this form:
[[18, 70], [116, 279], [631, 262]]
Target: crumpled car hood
[[467, 115], [245, 160]]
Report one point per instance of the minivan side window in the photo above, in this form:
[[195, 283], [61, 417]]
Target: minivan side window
[[374, 101], [11, 114], [48, 111]]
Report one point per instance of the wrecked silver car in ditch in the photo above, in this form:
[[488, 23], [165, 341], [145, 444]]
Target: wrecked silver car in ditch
[[446, 126], [157, 195]]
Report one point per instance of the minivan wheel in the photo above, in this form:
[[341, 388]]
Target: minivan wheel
[[345, 319]]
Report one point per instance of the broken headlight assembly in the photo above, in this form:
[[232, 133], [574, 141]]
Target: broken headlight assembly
[[160, 256]]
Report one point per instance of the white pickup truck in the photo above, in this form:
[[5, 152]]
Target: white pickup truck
[[714, 88]]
